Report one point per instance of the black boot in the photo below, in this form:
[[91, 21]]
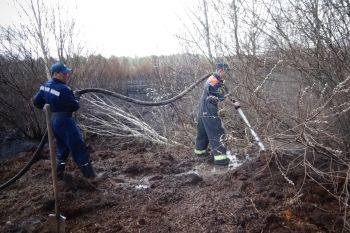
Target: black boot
[[88, 171]]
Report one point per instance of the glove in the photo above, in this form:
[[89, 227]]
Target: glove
[[212, 99], [76, 95], [236, 104]]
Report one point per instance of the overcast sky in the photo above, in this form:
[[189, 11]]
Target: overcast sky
[[123, 27]]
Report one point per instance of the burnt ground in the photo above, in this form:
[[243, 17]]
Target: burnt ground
[[167, 190]]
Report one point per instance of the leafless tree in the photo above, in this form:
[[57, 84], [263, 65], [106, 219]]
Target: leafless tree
[[26, 50]]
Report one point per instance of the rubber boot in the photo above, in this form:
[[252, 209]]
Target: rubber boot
[[221, 160], [89, 172], [201, 153]]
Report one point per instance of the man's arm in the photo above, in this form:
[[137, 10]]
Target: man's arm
[[216, 88], [38, 100], [68, 100]]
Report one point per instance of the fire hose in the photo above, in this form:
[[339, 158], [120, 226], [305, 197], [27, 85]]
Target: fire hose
[[109, 93]]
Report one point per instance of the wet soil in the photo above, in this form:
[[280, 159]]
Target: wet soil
[[167, 190]]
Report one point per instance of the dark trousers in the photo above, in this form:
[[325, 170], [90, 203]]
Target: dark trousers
[[69, 139], [209, 130]]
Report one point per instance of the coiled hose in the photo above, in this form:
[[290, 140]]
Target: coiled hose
[[105, 92]]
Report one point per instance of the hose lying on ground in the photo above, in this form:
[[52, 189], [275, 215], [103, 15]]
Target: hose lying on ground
[[105, 92]]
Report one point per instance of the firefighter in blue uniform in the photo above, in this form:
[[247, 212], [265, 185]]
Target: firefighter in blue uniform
[[63, 102], [209, 126]]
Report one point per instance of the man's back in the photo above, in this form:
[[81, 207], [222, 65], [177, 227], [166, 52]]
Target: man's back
[[58, 95]]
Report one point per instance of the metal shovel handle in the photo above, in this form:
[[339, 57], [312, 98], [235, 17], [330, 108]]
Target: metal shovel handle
[[257, 139]]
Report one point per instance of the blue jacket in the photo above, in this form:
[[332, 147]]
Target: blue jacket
[[58, 95], [213, 92]]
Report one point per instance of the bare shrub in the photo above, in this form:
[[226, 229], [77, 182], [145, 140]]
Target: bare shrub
[[104, 117], [291, 74]]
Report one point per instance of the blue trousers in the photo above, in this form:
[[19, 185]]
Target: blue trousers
[[209, 129], [69, 139]]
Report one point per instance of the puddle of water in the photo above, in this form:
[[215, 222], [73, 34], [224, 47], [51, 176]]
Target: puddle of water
[[205, 169], [138, 184], [143, 184], [141, 187], [234, 162]]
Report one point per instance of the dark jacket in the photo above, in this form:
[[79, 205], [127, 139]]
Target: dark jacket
[[58, 95], [215, 86]]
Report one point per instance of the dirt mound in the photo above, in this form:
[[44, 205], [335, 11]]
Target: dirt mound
[[167, 191]]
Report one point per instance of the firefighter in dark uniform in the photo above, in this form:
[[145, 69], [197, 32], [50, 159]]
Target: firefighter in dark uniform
[[63, 102], [209, 126]]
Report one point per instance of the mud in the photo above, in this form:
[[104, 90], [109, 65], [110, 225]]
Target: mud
[[168, 190]]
